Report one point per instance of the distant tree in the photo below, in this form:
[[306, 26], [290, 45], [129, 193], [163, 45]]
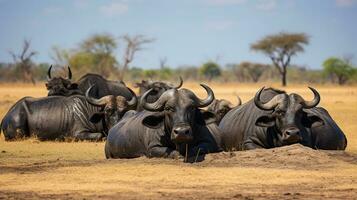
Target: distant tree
[[93, 55], [210, 70], [254, 70], [238, 71], [133, 44], [280, 48], [24, 62], [339, 69]]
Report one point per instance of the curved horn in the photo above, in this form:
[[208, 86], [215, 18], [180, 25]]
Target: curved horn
[[69, 73], [314, 102], [133, 101], [270, 105], [49, 73], [180, 83], [208, 100], [159, 104], [239, 101], [94, 101]]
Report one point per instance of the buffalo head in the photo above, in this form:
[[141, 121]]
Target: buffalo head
[[61, 86], [220, 107], [157, 87], [287, 115], [178, 112], [113, 107]]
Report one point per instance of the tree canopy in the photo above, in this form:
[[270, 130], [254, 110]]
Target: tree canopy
[[339, 69], [280, 48], [210, 70]]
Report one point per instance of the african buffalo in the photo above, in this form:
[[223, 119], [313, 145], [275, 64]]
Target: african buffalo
[[220, 107], [57, 117], [158, 87], [58, 86], [103, 87], [274, 118], [166, 128]]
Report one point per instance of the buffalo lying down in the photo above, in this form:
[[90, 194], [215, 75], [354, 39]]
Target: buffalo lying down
[[58, 86], [57, 117], [274, 118], [220, 107], [164, 127], [103, 87]]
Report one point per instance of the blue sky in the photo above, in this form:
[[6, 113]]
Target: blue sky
[[187, 32]]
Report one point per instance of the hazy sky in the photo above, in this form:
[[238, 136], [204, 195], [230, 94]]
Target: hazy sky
[[187, 32]]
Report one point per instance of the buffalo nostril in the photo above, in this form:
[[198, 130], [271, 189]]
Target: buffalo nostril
[[181, 131]]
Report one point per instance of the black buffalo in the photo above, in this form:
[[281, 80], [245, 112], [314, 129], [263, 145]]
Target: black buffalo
[[165, 127], [274, 118], [221, 107], [158, 87], [103, 87], [57, 117], [58, 86]]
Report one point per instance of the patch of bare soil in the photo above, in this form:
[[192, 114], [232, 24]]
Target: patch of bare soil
[[287, 157], [290, 172]]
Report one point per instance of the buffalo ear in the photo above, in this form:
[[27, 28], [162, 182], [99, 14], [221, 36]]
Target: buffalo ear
[[265, 121], [153, 121], [308, 120], [204, 117], [96, 117]]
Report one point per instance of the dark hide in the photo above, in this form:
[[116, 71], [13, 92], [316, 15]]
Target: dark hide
[[57, 117], [103, 87], [175, 122], [248, 127]]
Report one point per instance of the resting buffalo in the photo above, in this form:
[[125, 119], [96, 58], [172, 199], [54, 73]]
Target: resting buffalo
[[103, 87], [58, 86], [220, 107], [165, 126], [57, 117], [158, 87], [274, 118]]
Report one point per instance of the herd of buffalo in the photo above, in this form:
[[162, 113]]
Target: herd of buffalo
[[165, 120]]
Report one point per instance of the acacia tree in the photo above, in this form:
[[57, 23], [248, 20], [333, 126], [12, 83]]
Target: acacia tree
[[340, 69], [254, 70], [23, 61], [133, 44], [95, 54], [101, 47], [280, 48]]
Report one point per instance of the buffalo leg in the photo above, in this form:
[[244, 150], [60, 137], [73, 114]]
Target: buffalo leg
[[250, 145], [164, 152], [88, 136]]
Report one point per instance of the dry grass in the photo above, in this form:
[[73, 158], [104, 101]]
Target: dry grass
[[32, 169]]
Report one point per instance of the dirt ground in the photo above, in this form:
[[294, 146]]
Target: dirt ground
[[58, 170]]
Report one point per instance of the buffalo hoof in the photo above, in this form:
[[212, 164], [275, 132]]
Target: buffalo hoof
[[175, 155]]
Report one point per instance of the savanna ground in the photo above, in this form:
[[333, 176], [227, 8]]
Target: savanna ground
[[33, 169]]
